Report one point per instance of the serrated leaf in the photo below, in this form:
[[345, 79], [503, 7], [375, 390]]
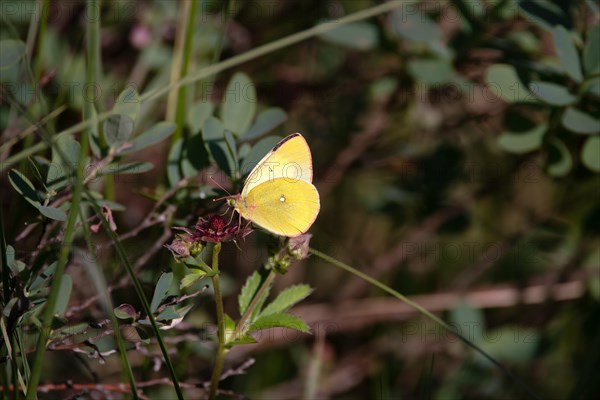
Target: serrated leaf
[[591, 52], [503, 81], [578, 121], [239, 104], [522, 142], [590, 154], [64, 294], [118, 128], [279, 320], [248, 291], [197, 115], [552, 93], [162, 288], [128, 103], [358, 35], [24, 187], [287, 299], [157, 133], [53, 213], [265, 121], [567, 52]]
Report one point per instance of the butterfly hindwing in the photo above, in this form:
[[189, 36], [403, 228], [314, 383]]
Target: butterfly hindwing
[[283, 206]]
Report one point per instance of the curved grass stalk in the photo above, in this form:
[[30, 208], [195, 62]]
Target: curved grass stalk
[[428, 314], [219, 67]]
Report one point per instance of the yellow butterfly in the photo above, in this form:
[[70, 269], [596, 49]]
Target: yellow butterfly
[[278, 195]]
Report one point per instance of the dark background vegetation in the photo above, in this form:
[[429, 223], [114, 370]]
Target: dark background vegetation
[[456, 151]]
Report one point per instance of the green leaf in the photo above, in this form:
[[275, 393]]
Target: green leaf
[[522, 142], [415, 26], [432, 71], [258, 151], [265, 121], [248, 291], [239, 104], [358, 35], [590, 154], [197, 115], [591, 52], [174, 162], [162, 288], [509, 343], [12, 52], [593, 86], [64, 294], [118, 128], [128, 103], [469, 321], [567, 52], [24, 187], [52, 213], [578, 121], [286, 299], [125, 311], [191, 278], [95, 141], [59, 169], [40, 281], [544, 13], [279, 320], [195, 157], [552, 93], [560, 161], [157, 133], [213, 134], [504, 81]]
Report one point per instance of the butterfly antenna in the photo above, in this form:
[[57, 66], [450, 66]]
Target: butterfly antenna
[[222, 188]]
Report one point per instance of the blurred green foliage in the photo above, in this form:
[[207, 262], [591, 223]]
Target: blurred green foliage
[[455, 145]]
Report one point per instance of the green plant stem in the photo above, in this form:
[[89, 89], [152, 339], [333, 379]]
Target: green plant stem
[[222, 66], [58, 274], [423, 311], [250, 310], [190, 8], [100, 284], [216, 375]]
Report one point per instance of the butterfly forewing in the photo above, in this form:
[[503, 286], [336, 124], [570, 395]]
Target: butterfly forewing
[[289, 159]]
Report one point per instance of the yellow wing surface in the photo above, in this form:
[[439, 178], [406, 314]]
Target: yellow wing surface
[[282, 207], [278, 194], [289, 159]]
